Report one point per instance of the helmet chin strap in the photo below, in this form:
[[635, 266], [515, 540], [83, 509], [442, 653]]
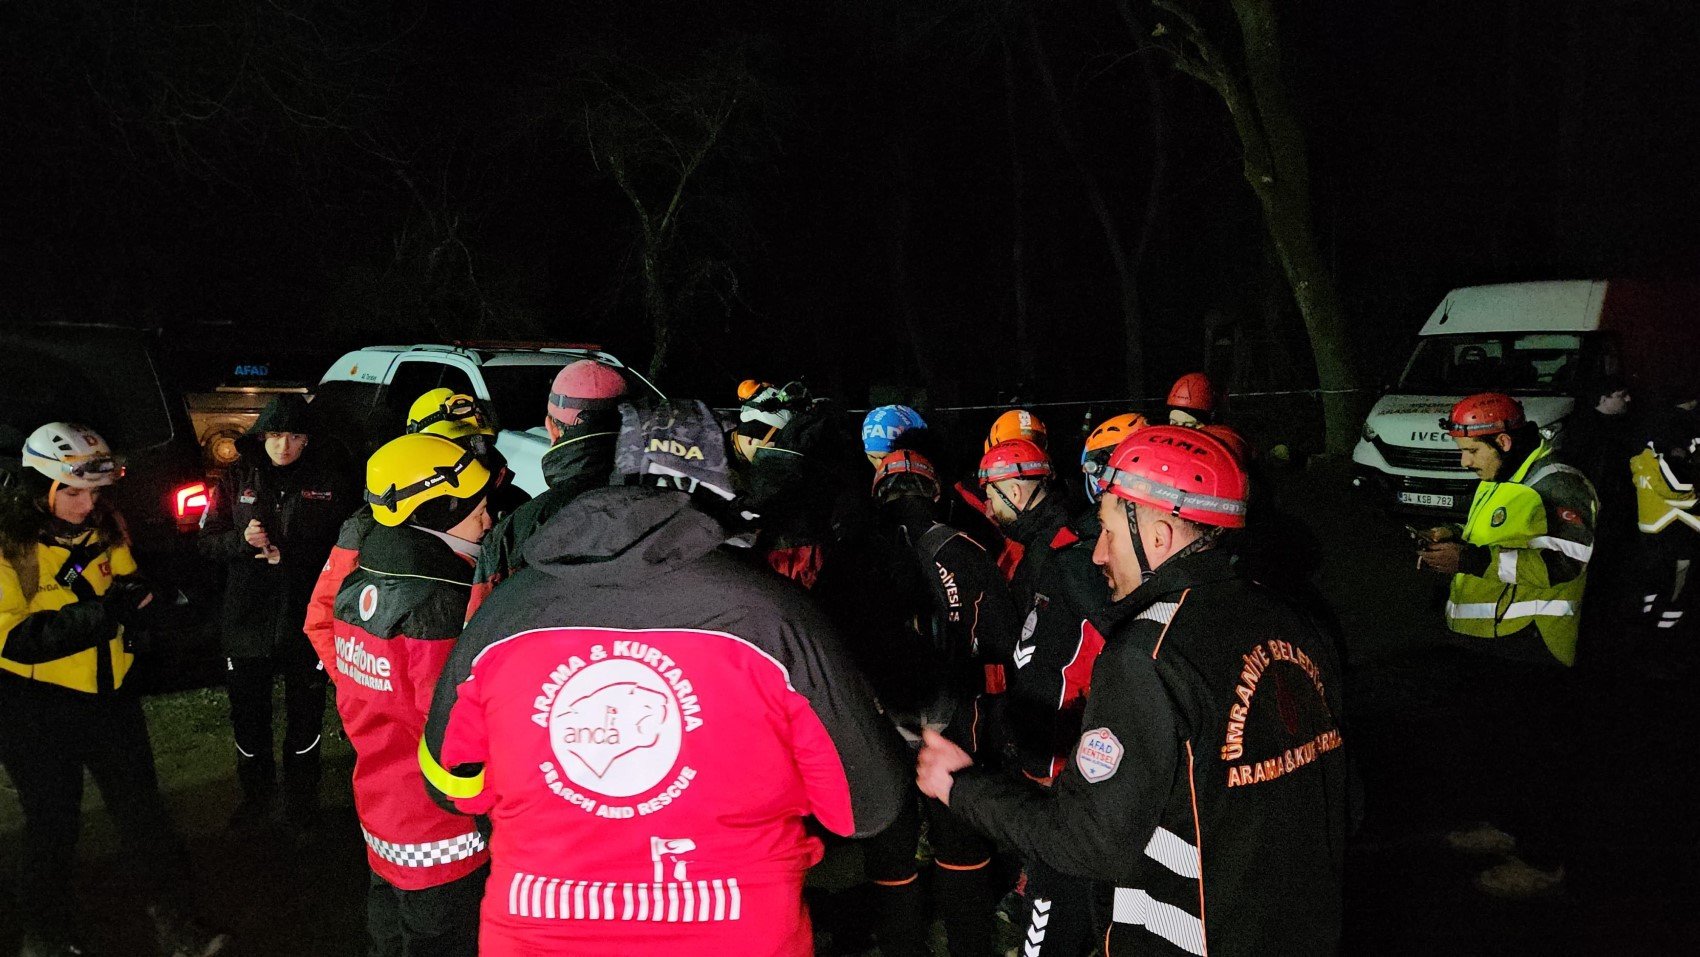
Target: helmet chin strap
[[1019, 511], [1146, 572]]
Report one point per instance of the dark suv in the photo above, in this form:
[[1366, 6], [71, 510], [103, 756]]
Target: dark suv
[[107, 377]]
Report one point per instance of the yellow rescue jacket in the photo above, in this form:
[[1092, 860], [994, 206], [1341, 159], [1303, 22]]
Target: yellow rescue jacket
[[78, 671], [1538, 528], [1661, 500]]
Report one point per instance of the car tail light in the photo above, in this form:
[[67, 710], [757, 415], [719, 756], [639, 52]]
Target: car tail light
[[189, 502]]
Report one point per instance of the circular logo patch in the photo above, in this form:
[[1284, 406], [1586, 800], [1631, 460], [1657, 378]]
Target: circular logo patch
[[615, 728], [1498, 518], [368, 604]]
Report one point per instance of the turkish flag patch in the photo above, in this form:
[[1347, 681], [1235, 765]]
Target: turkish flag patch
[[1570, 515]]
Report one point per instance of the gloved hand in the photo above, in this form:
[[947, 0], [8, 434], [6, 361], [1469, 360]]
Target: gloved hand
[[132, 600]]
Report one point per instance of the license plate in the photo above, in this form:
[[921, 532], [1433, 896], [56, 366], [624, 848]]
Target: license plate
[[1425, 498]]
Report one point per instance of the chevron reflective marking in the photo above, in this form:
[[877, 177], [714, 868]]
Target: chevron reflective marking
[[1036, 923], [1024, 654]]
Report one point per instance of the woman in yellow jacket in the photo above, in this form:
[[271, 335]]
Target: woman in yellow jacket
[[68, 590]]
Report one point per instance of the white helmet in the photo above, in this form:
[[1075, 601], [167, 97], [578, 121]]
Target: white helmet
[[72, 454]]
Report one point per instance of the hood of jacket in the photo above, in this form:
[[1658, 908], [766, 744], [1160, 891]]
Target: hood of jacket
[[621, 534], [284, 413], [583, 458]]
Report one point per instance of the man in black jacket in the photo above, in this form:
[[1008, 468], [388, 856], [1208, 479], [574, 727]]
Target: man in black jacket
[[1056, 591], [583, 419], [272, 523], [1209, 785], [960, 625]]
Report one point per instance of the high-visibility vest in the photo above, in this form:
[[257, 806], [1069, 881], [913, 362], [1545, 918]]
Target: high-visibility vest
[[1661, 500], [1510, 519], [79, 671]]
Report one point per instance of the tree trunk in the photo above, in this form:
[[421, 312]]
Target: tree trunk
[[655, 309], [1127, 273], [1281, 178]]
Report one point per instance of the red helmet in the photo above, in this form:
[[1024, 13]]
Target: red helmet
[[1187, 472], [584, 386], [1485, 413], [907, 461], [1193, 391], [1016, 424], [1017, 458], [1235, 442]]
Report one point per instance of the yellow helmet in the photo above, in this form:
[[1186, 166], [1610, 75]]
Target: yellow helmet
[[450, 414], [413, 470]]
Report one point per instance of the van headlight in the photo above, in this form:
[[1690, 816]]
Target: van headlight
[[1369, 432]]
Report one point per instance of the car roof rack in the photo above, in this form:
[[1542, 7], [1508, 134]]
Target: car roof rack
[[523, 344]]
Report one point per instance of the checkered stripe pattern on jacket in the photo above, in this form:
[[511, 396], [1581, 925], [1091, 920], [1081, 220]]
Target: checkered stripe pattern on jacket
[[426, 855]]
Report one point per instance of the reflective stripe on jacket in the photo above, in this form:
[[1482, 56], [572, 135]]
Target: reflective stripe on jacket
[[1661, 499], [79, 671], [1538, 528]]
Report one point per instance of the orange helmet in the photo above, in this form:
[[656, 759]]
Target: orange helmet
[[1016, 424], [748, 388], [1111, 431], [1186, 472], [1017, 458], [1485, 413], [1193, 391], [1235, 442], [910, 462]]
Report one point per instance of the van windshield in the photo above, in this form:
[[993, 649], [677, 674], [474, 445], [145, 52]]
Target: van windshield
[[1528, 362]]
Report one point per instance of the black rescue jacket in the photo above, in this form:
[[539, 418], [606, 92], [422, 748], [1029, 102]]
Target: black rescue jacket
[[579, 462], [301, 506], [1208, 786], [1061, 602]]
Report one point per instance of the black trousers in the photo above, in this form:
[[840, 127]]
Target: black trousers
[[48, 735], [1514, 727], [1062, 913], [961, 882], [438, 921], [249, 685]]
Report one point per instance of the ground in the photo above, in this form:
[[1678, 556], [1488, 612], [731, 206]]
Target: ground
[[1632, 875]]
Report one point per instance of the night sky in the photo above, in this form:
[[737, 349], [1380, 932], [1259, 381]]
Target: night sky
[[330, 173]]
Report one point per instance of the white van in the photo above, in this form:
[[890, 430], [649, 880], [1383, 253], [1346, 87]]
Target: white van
[[1543, 342]]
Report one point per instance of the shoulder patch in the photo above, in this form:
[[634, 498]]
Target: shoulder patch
[[1098, 755], [1570, 515]]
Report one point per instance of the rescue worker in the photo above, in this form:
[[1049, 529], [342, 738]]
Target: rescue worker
[[1518, 568], [1192, 401], [582, 419], [959, 646], [467, 421], [647, 724], [795, 481], [1668, 543], [1057, 592], [271, 524], [1100, 442], [1016, 424], [71, 601], [881, 427], [394, 622], [1209, 785]]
